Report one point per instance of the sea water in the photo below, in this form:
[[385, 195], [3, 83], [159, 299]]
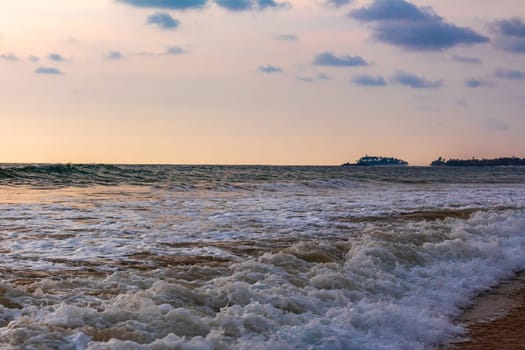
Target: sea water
[[251, 257]]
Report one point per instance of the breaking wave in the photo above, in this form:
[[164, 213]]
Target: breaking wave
[[381, 290], [220, 257]]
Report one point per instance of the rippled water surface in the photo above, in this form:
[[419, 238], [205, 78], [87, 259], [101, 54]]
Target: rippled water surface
[[217, 257]]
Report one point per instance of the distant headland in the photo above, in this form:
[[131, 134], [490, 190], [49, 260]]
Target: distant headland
[[440, 162], [377, 161], [509, 161]]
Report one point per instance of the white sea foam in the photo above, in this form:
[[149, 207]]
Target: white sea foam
[[385, 294], [282, 266]]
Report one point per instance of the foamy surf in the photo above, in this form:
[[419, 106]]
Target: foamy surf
[[315, 264]]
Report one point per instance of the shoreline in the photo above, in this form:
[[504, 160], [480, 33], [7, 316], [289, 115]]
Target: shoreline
[[496, 320]]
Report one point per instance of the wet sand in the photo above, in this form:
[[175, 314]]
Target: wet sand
[[497, 320]]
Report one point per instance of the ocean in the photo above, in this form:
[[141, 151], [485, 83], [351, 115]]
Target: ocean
[[251, 257]]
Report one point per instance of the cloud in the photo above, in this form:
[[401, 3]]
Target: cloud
[[247, 5], [169, 51], [400, 23], [510, 27], [398, 10], [319, 77], [368, 80], [114, 55], [175, 50], [338, 3], [475, 83], [163, 20], [415, 82], [33, 58], [286, 37], [329, 59], [167, 4], [510, 35], [48, 70], [56, 57], [269, 69], [231, 5], [510, 74], [468, 60], [9, 57]]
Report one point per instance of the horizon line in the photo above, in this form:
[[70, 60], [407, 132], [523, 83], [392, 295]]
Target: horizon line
[[183, 164], [226, 164]]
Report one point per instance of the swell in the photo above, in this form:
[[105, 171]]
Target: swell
[[76, 175], [249, 178]]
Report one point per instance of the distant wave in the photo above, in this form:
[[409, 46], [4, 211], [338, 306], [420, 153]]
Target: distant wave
[[70, 174], [246, 178]]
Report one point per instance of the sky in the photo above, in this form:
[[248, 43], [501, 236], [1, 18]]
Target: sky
[[297, 82]]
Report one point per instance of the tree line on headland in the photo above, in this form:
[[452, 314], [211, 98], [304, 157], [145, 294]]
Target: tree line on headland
[[391, 161], [377, 161], [508, 161]]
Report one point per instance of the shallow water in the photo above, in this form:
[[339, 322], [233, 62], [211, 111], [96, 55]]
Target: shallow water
[[215, 257]]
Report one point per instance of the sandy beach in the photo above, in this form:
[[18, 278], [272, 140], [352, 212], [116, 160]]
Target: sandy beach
[[497, 320]]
